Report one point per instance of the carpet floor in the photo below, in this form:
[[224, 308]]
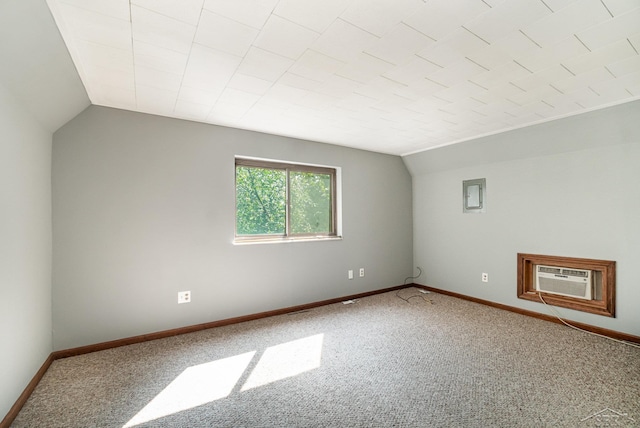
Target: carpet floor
[[398, 359]]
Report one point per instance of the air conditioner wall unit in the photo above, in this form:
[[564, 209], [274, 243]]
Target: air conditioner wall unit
[[564, 281]]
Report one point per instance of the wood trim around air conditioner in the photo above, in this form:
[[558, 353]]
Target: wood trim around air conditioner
[[602, 303]]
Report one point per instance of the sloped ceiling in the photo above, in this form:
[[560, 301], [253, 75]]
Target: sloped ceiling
[[393, 76], [35, 65]]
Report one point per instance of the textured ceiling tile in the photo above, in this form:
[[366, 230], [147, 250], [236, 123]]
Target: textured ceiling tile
[[379, 81], [458, 72], [508, 92], [249, 84], [531, 82], [154, 100], [516, 44], [240, 98], [556, 5], [552, 55], [344, 41], [316, 15], [209, 70], [414, 70], [635, 41], [316, 66], [157, 57], [283, 96], [490, 57], [113, 96], [316, 101], [114, 8], [570, 83], [189, 110], [562, 24], [364, 68], [439, 18], [264, 65], [631, 83], [226, 114], [601, 57], [224, 34], [356, 102], [399, 44], [98, 28], [544, 92], [612, 30], [285, 38], [585, 97], [379, 16], [106, 56], [158, 79], [198, 95], [506, 18], [618, 7], [611, 94], [123, 79], [151, 27], [249, 12], [185, 10], [460, 91], [338, 87], [453, 48], [300, 82], [626, 66], [502, 74], [619, 84]]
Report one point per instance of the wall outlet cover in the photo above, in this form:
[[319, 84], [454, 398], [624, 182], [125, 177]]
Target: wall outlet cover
[[184, 297]]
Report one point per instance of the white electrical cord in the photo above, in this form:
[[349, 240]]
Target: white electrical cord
[[557, 315]]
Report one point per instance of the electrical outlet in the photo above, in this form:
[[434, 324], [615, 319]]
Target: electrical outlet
[[350, 274], [485, 277], [184, 297], [361, 272]]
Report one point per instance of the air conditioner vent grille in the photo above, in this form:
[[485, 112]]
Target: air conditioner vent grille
[[573, 272], [564, 281]]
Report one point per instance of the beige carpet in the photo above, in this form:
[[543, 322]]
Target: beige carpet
[[385, 361]]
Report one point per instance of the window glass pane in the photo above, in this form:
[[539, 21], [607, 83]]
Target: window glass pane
[[260, 201], [310, 195]]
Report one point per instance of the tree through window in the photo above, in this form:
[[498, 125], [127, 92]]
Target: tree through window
[[281, 200]]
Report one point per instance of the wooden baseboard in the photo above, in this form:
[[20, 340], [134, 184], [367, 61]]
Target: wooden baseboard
[[591, 328], [198, 327], [15, 409]]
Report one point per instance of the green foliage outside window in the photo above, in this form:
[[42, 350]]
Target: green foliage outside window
[[310, 202], [261, 201]]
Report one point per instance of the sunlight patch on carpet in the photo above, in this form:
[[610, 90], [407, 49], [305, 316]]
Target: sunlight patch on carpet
[[286, 360], [195, 386]]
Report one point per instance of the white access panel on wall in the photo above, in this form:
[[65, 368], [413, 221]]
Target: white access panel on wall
[[474, 195]]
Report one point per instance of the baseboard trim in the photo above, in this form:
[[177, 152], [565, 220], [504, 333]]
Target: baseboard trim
[[22, 399], [15, 409], [588, 327], [198, 327]]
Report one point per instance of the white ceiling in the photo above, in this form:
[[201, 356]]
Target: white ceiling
[[393, 76]]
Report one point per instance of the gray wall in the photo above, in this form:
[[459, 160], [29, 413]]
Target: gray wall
[[25, 248], [143, 207], [565, 188]]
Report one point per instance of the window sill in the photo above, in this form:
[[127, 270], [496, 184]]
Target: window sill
[[279, 240]]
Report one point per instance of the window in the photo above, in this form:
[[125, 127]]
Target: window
[[276, 201]]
